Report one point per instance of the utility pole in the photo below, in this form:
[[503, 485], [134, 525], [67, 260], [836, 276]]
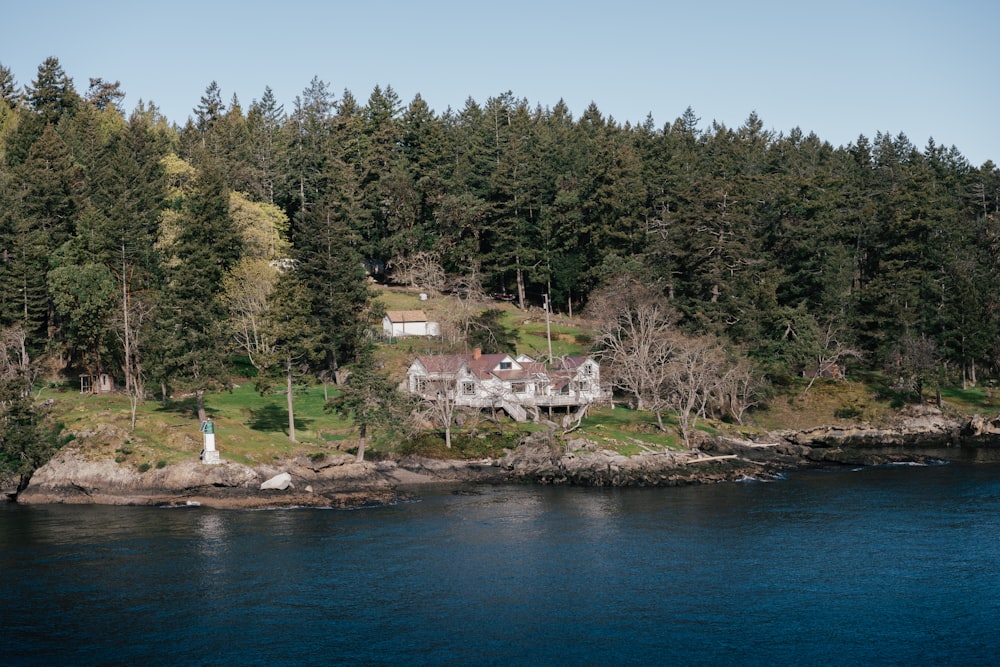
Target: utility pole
[[548, 327]]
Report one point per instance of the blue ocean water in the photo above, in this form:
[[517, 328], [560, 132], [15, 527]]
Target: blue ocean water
[[879, 566]]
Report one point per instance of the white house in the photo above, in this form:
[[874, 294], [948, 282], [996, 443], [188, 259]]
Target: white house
[[513, 384], [400, 323]]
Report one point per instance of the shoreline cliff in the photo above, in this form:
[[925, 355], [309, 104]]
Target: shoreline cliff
[[541, 458]]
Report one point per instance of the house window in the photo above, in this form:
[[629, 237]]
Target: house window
[[582, 385], [468, 389], [518, 387], [588, 369], [505, 365], [421, 385]]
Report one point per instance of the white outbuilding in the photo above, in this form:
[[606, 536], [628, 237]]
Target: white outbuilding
[[400, 323]]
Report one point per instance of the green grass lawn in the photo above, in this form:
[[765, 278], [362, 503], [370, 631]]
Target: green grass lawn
[[250, 428], [974, 400], [629, 432], [568, 339]]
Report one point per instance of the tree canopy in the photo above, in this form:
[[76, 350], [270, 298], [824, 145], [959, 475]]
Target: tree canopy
[[792, 252]]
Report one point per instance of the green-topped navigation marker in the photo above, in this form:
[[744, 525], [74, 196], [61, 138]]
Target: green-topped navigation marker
[[209, 454]]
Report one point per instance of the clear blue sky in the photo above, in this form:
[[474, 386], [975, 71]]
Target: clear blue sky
[[839, 69]]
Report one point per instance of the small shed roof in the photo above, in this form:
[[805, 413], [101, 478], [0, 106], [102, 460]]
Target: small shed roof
[[406, 315]]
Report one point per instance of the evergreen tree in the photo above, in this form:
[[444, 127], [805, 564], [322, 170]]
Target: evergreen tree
[[465, 208], [416, 184], [510, 239], [25, 443], [488, 333], [332, 271], [562, 248], [128, 188], [310, 151], [265, 120], [191, 343], [210, 109], [85, 301], [9, 95], [368, 398], [293, 341], [379, 146], [39, 219], [105, 95], [52, 95]]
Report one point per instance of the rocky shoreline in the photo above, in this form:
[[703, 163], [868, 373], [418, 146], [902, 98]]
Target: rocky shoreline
[[542, 458]]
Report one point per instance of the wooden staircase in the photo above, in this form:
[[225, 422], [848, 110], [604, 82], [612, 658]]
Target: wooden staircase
[[516, 411]]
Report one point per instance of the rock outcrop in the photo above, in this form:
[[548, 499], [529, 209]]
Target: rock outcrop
[[922, 433], [919, 434], [71, 477], [541, 458], [74, 477], [982, 427]]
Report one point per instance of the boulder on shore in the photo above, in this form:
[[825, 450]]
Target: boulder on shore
[[279, 482]]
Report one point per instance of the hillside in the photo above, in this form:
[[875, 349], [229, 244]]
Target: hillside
[[252, 429]]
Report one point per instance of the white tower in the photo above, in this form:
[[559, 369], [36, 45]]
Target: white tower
[[209, 454]]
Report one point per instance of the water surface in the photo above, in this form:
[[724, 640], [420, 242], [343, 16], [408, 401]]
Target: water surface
[[895, 565]]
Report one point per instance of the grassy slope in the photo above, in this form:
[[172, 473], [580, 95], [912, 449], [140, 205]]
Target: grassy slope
[[253, 429]]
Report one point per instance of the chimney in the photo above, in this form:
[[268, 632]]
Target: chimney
[[476, 352]]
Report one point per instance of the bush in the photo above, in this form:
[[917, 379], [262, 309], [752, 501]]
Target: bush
[[161, 464], [851, 413], [465, 445], [143, 467]]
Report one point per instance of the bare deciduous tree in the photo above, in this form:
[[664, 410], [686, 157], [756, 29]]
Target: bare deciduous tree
[[695, 370], [739, 389], [662, 368], [626, 292], [917, 360], [438, 397], [128, 325], [421, 269], [456, 320], [830, 352], [635, 346]]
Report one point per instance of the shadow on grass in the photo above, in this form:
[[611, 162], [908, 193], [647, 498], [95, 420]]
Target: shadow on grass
[[188, 409], [271, 418], [182, 407]]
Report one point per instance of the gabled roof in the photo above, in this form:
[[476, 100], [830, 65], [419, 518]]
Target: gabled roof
[[443, 363], [565, 370], [484, 366], [406, 315], [570, 363]]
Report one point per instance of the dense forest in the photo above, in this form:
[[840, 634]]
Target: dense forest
[[155, 252]]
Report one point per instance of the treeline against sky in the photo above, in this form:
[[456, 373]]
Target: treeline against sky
[[781, 244]]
